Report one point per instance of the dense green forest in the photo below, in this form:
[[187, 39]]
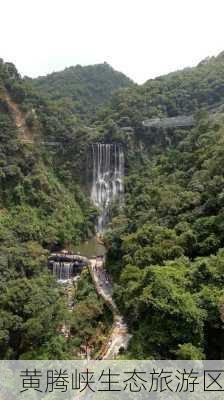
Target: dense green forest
[[82, 89], [165, 246], [41, 209], [166, 249]]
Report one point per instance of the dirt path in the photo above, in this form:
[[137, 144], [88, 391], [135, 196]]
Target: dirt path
[[119, 336]]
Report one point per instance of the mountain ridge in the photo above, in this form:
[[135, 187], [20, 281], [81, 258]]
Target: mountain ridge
[[82, 88], [165, 246]]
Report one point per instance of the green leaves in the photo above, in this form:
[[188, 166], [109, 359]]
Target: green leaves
[[30, 312], [151, 244], [167, 259]]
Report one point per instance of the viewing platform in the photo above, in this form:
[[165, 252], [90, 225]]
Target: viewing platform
[[181, 121]]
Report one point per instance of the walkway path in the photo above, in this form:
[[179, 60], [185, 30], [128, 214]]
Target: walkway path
[[119, 336]]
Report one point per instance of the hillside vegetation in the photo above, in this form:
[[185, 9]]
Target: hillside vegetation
[[181, 92], [82, 89], [165, 246], [38, 213]]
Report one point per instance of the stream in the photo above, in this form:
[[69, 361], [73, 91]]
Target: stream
[[107, 187], [119, 336]]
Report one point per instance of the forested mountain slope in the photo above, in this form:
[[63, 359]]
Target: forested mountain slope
[[82, 89], [181, 92], [166, 248], [39, 211]]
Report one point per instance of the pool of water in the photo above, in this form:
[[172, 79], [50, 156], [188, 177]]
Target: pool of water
[[90, 248]]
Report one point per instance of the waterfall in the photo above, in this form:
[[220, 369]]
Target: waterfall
[[62, 270], [108, 179]]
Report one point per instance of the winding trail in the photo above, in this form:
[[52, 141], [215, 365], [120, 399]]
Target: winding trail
[[119, 336]]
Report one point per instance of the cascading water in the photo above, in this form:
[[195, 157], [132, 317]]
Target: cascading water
[[108, 179], [62, 270]]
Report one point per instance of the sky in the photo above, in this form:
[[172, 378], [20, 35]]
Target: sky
[[141, 38]]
